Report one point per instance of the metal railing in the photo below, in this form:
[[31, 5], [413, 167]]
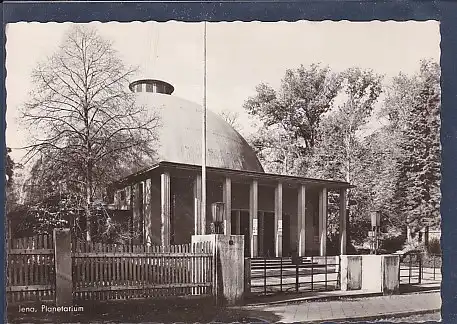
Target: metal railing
[[418, 268], [293, 275]]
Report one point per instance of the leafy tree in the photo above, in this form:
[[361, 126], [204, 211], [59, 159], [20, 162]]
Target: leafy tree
[[86, 124], [277, 152], [421, 145], [340, 152], [294, 111]]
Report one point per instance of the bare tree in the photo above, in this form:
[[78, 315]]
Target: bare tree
[[232, 118], [84, 121]]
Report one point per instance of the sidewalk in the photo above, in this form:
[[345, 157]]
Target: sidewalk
[[360, 308]]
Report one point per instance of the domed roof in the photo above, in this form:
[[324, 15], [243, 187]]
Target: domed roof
[[180, 131]]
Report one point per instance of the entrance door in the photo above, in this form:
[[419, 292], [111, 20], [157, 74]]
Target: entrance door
[[269, 234], [240, 226]]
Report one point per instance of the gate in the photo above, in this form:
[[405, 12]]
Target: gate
[[294, 275], [419, 268], [30, 271]]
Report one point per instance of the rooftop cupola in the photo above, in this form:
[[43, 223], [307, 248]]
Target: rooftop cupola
[[151, 85]]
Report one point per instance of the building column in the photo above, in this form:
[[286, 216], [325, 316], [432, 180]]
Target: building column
[[198, 205], [323, 222], [278, 220], [253, 217], [227, 199], [301, 220], [147, 212], [165, 196], [343, 220]]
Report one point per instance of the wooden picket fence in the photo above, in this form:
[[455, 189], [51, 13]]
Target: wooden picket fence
[[109, 271], [31, 269]]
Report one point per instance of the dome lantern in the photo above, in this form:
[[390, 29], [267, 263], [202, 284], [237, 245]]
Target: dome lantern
[[151, 85]]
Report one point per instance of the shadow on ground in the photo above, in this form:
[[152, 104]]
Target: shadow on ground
[[145, 311], [404, 289]]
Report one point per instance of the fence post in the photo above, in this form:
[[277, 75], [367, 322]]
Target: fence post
[[264, 275], [325, 272], [247, 277], [63, 267], [434, 264], [312, 273], [296, 276], [410, 268], [420, 268], [280, 275]]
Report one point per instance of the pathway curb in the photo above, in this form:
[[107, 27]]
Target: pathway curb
[[376, 317], [335, 297]]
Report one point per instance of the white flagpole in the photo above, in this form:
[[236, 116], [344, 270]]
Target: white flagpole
[[203, 207]]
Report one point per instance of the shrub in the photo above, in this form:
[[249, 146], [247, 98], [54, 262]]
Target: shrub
[[393, 243], [434, 246]]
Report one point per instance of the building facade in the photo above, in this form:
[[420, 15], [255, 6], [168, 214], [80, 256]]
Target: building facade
[[279, 215]]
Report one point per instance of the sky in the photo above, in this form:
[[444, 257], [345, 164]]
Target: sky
[[239, 56]]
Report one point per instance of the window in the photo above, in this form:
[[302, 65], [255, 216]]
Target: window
[[139, 87], [149, 87]]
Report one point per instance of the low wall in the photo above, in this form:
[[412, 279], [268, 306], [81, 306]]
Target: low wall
[[380, 273], [351, 272], [391, 266], [229, 278]]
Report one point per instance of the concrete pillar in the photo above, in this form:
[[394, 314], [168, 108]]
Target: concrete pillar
[[343, 220], [165, 213], [278, 220], [198, 205], [351, 272], [137, 212], [253, 217], [63, 267], [391, 267], [130, 193], [229, 274], [147, 212], [227, 199], [323, 222], [301, 220], [380, 273], [128, 198]]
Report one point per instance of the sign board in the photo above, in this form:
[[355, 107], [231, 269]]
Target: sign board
[[375, 218], [254, 226]]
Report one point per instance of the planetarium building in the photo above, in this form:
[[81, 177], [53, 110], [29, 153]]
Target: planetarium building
[[278, 214]]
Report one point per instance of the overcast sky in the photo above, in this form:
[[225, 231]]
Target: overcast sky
[[239, 55]]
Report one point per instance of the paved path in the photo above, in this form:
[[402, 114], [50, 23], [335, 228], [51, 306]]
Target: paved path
[[354, 308]]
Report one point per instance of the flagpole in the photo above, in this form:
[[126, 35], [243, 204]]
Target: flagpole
[[203, 207]]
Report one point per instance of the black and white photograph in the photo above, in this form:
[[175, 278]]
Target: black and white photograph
[[220, 172]]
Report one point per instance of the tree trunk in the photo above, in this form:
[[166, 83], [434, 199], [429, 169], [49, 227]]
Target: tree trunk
[[88, 203]]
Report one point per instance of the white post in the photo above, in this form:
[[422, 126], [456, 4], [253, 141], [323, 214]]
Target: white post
[[301, 220], [278, 220], [323, 222], [197, 204], [203, 207], [165, 208], [227, 198], [343, 220], [253, 217]]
